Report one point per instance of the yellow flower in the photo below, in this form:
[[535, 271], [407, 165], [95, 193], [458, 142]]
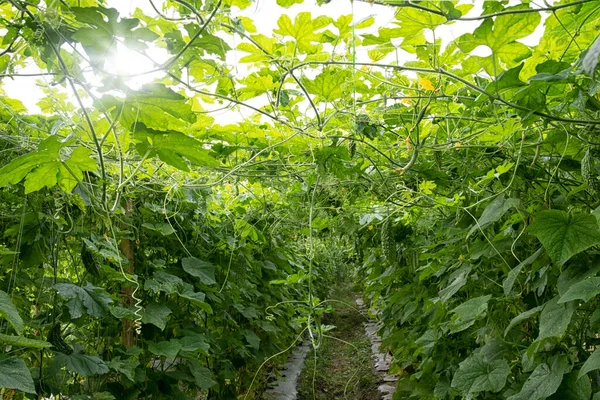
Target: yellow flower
[[426, 84], [370, 227]]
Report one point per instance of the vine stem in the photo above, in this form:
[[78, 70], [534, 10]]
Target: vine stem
[[450, 75], [408, 4], [280, 65], [173, 60], [416, 128]]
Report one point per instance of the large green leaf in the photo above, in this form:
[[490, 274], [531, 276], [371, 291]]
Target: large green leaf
[[564, 235], [10, 312], [155, 106], [81, 363], [573, 388], [478, 374], [544, 380], [494, 211], [457, 280], [203, 270], [162, 281], [591, 364], [45, 167], [168, 349], [197, 298], [193, 343], [555, 319], [15, 375], [156, 314], [22, 341], [329, 85], [288, 3], [512, 275], [202, 375], [124, 366], [522, 317], [303, 29], [99, 37], [412, 24], [252, 339], [501, 34], [91, 298], [584, 290], [174, 148], [468, 312]]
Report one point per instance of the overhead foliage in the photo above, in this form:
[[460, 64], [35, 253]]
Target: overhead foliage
[[171, 238]]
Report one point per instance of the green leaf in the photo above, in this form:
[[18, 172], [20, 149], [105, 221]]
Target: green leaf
[[494, 211], [544, 380], [162, 281], [555, 319], [174, 148], [329, 85], [22, 341], [288, 3], [197, 298], [413, 23], [575, 273], [126, 367], [591, 364], [202, 375], [584, 290], [573, 388], [500, 35], [94, 299], [211, 44], [82, 364], [468, 312], [163, 228], [10, 313], [99, 37], [477, 374], [15, 375], [45, 167], [303, 29], [564, 235], [512, 275], [157, 315], [155, 106], [203, 270], [457, 280], [256, 54], [70, 172], [168, 349], [46, 175], [193, 343], [252, 339], [97, 43], [522, 317]]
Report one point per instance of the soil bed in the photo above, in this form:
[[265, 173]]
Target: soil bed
[[344, 365]]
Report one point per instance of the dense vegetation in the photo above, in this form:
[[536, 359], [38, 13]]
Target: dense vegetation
[[150, 249]]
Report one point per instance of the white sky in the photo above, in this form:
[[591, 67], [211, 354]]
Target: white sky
[[264, 14]]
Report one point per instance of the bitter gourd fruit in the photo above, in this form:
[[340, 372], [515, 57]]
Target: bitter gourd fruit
[[351, 148], [56, 340], [388, 244], [590, 168], [89, 260]]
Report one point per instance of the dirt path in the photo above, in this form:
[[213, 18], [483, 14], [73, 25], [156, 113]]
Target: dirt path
[[344, 364]]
